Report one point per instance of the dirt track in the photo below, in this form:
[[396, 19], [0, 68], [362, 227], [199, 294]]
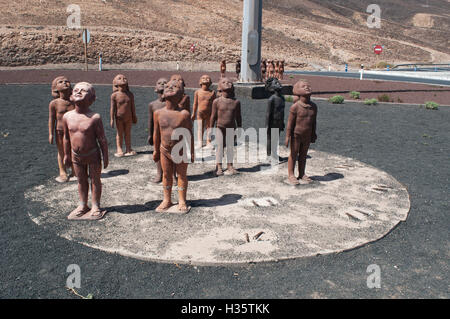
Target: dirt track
[[322, 86]]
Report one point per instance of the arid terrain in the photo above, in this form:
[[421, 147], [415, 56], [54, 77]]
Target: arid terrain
[[305, 33]]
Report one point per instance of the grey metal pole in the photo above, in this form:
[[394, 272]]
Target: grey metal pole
[[251, 42]]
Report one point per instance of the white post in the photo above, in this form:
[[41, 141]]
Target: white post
[[251, 42]]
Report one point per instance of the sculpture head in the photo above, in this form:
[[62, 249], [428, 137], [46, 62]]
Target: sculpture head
[[225, 85], [60, 84], [179, 78], [273, 85], [159, 88], [173, 91], [120, 80], [83, 94], [302, 88], [205, 80]]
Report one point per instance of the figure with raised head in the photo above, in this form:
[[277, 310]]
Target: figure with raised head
[[275, 111], [171, 120], [157, 104], [123, 113], [301, 130], [203, 100], [84, 129], [226, 113], [223, 68], [270, 69], [61, 91], [185, 102], [263, 69]]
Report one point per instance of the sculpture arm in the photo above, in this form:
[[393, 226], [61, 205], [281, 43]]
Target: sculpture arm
[[213, 118], [269, 112], [66, 143], [51, 121], [238, 114], [195, 105], [133, 108], [101, 138], [291, 123], [156, 137], [150, 124], [314, 135], [113, 109]]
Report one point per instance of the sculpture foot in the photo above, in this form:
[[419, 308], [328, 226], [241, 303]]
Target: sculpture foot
[[231, 171], [293, 181], [94, 214], [306, 179], [163, 207], [62, 179], [156, 180], [78, 212], [183, 208], [219, 172], [118, 154], [130, 153]]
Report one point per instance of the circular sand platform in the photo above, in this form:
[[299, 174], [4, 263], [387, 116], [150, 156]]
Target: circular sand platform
[[250, 217]]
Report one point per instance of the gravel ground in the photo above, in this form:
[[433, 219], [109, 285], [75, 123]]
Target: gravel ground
[[408, 142]]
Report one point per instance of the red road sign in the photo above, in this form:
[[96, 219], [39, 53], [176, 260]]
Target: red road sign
[[378, 49]]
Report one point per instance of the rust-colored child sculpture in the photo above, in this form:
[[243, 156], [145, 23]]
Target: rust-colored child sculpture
[[238, 68], [185, 102], [270, 69], [281, 70], [167, 120], [84, 129], [277, 69], [152, 108], [301, 130], [203, 100], [123, 113], [275, 110], [223, 68], [61, 91], [226, 112]]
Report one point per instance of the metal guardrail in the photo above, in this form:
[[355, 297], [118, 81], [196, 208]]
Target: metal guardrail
[[430, 67]]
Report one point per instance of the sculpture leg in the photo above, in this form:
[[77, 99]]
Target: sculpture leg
[[62, 168], [269, 141], [200, 130], [220, 140], [119, 137], [295, 146], [129, 150], [167, 181], [95, 170], [182, 186], [207, 128], [229, 143], [303, 152], [83, 189]]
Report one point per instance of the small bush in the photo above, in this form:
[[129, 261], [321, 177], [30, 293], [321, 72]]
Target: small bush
[[289, 98], [370, 102], [399, 100], [431, 105], [337, 99], [384, 98], [382, 65], [355, 95]]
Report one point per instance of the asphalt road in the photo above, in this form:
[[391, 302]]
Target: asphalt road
[[409, 142], [356, 75]]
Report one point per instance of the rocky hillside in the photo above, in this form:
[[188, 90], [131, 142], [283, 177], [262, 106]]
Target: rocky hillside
[[305, 33]]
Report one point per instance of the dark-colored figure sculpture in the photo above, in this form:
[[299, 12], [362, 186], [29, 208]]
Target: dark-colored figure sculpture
[[226, 112], [152, 108], [166, 121], [84, 129], [223, 68], [275, 110], [281, 70], [185, 102], [203, 99], [61, 91], [123, 113], [301, 130], [263, 69], [238, 68]]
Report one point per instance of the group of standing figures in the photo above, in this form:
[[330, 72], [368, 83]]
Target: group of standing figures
[[269, 69], [81, 141]]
